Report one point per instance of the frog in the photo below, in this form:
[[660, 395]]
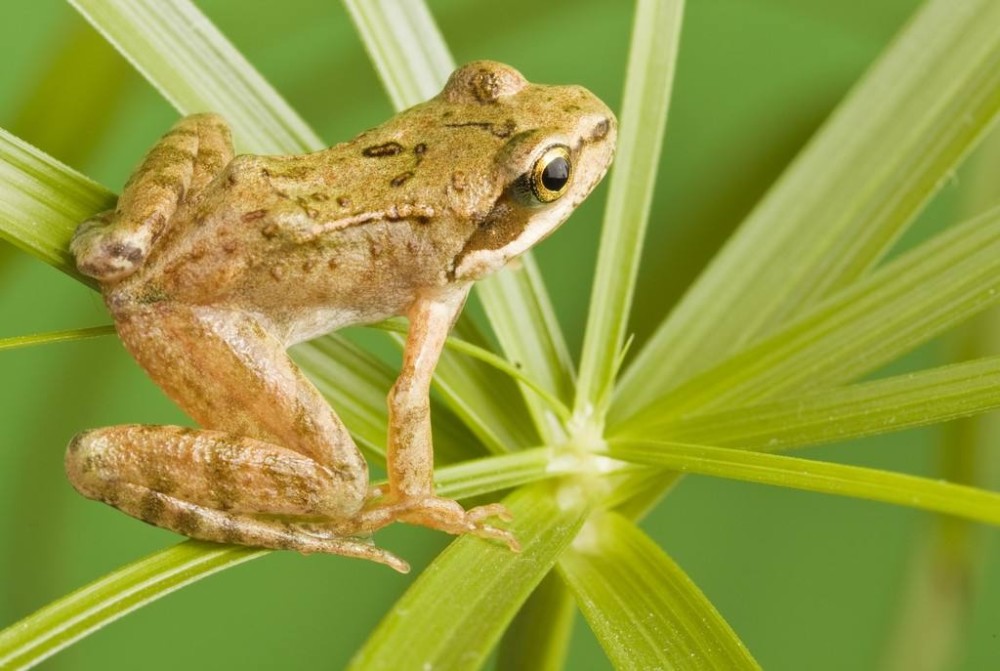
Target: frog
[[213, 264]]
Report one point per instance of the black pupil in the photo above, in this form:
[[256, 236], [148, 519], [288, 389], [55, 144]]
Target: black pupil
[[556, 174]]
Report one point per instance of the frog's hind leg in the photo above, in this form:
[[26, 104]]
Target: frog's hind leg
[[112, 244], [215, 486], [273, 463]]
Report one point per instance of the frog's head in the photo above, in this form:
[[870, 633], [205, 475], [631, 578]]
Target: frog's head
[[523, 157]]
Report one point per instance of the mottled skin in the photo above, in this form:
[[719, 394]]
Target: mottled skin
[[213, 265]]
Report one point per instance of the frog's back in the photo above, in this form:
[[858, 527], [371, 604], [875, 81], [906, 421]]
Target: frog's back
[[269, 236]]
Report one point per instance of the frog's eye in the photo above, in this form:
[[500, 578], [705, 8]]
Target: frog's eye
[[551, 173]]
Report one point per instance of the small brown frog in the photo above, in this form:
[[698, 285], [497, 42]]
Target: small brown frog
[[213, 265]]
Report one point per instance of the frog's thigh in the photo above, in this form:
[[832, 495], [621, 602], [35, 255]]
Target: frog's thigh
[[113, 244], [229, 374]]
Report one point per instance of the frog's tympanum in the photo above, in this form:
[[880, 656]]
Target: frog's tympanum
[[213, 265]]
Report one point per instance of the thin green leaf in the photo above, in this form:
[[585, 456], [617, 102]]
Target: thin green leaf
[[517, 302], [648, 84], [538, 638], [476, 477], [82, 73], [42, 201], [180, 52], [56, 336], [485, 584], [903, 304], [845, 413], [646, 612], [413, 62], [67, 620], [844, 201], [816, 476], [406, 47]]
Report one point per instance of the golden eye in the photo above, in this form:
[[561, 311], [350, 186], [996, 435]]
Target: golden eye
[[550, 176]]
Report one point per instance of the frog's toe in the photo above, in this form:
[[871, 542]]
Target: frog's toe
[[105, 252], [444, 515]]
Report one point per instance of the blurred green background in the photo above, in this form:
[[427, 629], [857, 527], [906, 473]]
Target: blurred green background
[[807, 581]]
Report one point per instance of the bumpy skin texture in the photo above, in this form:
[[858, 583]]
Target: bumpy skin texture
[[213, 265]]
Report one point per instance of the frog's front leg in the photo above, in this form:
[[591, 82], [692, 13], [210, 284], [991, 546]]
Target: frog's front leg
[[274, 467], [409, 454], [113, 244]]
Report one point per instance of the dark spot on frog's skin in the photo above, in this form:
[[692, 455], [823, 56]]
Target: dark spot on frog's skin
[[332, 264], [501, 130], [308, 265], [254, 216], [277, 271], [181, 132], [600, 130], [121, 250], [152, 507], [419, 151], [486, 86], [380, 150], [170, 154], [187, 523], [374, 248], [150, 294], [231, 179], [343, 201], [293, 172], [210, 157], [401, 179], [320, 196], [569, 109], [74, 444], [229, 246], [270, 231]]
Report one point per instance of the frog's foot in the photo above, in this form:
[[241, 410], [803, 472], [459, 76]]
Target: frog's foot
[[442, 514], [218, 526]]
